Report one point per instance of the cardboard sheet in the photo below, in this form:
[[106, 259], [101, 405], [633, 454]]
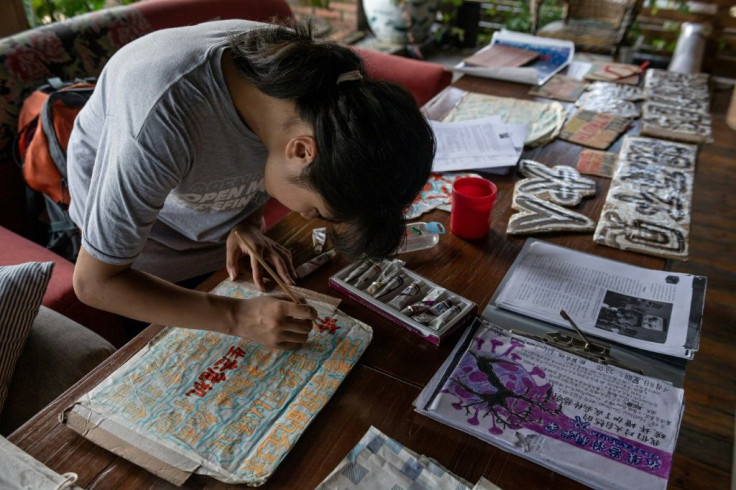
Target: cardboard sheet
[[500, 55], [560, 87], [594, 129]]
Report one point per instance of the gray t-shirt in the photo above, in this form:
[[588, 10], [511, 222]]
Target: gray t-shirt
[[160, 165]]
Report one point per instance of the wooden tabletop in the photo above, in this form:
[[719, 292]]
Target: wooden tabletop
[[398, 363]]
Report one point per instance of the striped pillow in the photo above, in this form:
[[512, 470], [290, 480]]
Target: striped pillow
[[21, 290]]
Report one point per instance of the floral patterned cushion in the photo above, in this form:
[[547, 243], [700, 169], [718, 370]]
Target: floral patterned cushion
[[74, 48]]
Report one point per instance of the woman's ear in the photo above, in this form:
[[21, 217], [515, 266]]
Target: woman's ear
[[301, 150]]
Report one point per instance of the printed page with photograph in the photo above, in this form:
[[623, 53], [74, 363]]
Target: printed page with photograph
[[633, 306]]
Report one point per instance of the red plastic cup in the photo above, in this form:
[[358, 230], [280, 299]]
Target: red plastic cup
[[472, 203]]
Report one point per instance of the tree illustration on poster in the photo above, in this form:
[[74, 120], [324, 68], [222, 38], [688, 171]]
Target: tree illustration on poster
[[401, 21], [500, 387]]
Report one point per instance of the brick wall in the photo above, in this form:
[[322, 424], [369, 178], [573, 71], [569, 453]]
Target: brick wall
[[342, 16]]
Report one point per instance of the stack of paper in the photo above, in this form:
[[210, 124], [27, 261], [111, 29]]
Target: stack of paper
[[543, 120], [487, 145], [606, 414]]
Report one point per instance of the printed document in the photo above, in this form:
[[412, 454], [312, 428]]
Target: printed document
[[633, 306], [485, 142]]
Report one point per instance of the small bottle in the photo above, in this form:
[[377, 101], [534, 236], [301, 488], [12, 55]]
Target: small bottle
[[420, 235]]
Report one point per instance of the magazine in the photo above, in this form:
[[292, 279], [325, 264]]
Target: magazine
[[554, 55]]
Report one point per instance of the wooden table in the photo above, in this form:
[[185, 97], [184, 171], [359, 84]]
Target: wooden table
[[397, 364]]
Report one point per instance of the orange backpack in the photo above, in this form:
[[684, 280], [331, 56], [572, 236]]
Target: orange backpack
[[44, 126]]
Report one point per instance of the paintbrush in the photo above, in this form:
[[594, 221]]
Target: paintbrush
[[271, 272]]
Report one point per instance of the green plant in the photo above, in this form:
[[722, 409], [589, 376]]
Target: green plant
[[447, 32], [47, 11], [657, 40], [520, 19], [323, 4], [679, 5], [448, 10]]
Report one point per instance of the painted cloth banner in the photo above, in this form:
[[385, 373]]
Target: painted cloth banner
[[601, 425], [221, 405]]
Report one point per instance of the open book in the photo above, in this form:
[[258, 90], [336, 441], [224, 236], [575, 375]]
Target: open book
[[498, 55]]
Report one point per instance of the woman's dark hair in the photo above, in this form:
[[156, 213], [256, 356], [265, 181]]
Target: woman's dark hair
[[374, 146]]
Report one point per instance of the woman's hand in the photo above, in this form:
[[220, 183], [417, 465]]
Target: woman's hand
[[269, 250], [272, 322]]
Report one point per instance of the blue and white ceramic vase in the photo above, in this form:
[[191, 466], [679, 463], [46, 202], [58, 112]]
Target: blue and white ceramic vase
[[400, 21]]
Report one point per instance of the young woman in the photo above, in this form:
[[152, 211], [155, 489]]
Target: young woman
[[189, 131]]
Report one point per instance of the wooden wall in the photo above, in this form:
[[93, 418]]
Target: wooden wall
[[12, 17], [341, 17], [720, 15]]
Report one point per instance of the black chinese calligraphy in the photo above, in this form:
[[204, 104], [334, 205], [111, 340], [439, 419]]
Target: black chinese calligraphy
[[641, 236], [647, 208], [672, 122], [615, 90], [561, 185], [540, 198], [607, 103], [686, 101], [538, 216]]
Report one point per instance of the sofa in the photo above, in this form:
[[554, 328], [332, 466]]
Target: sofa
[[42, 352], [78, 48]]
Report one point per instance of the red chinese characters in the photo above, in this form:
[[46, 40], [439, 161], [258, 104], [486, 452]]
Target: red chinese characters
[[216, 373], [326, 324]]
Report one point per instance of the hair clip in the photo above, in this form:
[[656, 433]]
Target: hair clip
[[349, 76]]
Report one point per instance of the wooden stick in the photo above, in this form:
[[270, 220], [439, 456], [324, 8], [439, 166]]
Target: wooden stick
[[271, 272]]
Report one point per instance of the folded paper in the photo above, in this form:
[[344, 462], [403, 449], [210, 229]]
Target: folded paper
[[378, 461]]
